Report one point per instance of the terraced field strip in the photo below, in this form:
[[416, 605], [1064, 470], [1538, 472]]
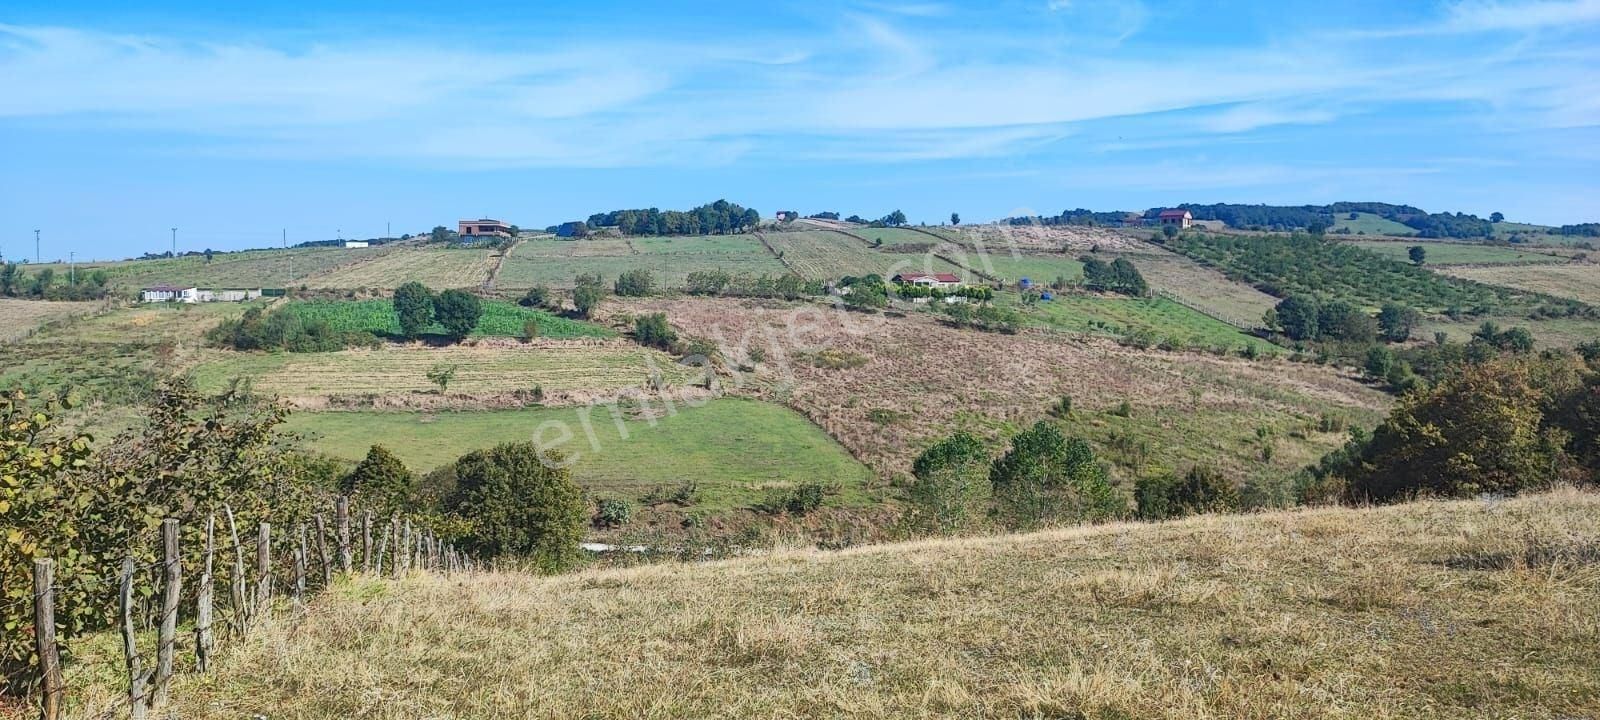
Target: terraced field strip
[[1443, 253], [20, 318], [669, 259], [1164, 318], [499, 319], [482, 370], [1203, 288], [824, 255], [247, 269], [734, 450], [1578, 281], [438, 268]]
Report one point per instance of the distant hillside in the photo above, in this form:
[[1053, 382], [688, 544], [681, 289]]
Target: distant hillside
[[1481, 608], [1371, 218]]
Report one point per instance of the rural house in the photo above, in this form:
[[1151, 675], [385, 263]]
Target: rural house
[[940, 281], [1183, 219], [484, 228], [169, 293], [348, 244]]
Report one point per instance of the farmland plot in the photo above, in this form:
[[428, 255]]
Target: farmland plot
[[500, 319], [1578, 281], [669, 259], [18, 318], [821, 255], [1161, 319], [245, 269], [1443, 253], [487, 369], [438, 268], [1203, 288]]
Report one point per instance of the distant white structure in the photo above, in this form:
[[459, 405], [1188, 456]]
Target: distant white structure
[[355, 244], [169, 293]]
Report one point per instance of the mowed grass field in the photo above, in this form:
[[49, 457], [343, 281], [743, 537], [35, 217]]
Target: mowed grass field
[[245, 269], [1370, 224], [1469, 609], [1579, 281], [821, 255], [480, 370], [1547, 332], [1039, 269], [1198, 286], [1441, 253], [734, 450], [557, 262], [437, 267], [500, 319], [1164, 319], [19, 318]]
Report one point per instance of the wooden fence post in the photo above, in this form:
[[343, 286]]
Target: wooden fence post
[[203, 611], [366, 541], [236, 596], [300, 567], [383, 549], [171, 591], [402, 551], [44, 638], [264, 568], [341, 517], [322, 552], [138, 702]]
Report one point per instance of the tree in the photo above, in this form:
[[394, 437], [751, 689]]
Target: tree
[[1396, 322], [1298, 315], [1342, 321], [1201, 490], [208, 256], [1125, 278], [1496, 217], [951, 477], [1046, 477], [653, 330], [894, 219], [537, 296], [955, 218], [1418, 254], [588, 290], [867, 294], [634, 283], [517, 500], [380, 480], [1169, 231], [441, 375], [440, 234], [413, 306], [458, 311]]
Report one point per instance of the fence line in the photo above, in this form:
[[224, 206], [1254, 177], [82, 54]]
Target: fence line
[[148, 688]]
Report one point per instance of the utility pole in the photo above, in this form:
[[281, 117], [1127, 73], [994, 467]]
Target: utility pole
[[386, 230], [72, 267], [287, 254], [174, 242], [36, 247]]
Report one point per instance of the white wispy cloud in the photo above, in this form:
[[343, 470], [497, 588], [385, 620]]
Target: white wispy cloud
[[1492, 15]]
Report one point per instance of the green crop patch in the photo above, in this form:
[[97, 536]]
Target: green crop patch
[[500, 319]]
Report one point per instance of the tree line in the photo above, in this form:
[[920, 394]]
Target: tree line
[[717, 218], [47, 284]]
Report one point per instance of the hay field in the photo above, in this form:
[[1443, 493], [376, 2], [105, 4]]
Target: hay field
[[487, 368], [20, 318], [248, 268], [1471, 609], [1208, 290], [438, 268], [838, 367], [1166, 321], [1447, 253], [821, 255], [1578, 281], [556, 262]]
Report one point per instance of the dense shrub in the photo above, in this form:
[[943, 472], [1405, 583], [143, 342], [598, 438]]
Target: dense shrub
[[588, 290], [458, 311], [537, 296], [635, 283], [1201, 490], [413, 306], [612, 513], [799, 501], [951, 480], [516, 500], [380, 481], [1048, 478], [258, 329], [654, 330]]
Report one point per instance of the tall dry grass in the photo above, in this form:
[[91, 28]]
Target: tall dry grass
[[1439, 609]]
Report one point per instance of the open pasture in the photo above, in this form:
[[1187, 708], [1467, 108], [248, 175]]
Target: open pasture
[[821, 255], [733, 449], [1160, 319], [500, 319], [436, 267], [1204, 288], [1578, 281], [1372, 224], [670, 259], [1443, 253], [20, 318], [482, 370]]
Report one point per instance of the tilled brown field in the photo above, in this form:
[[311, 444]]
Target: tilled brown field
[[887, 386]]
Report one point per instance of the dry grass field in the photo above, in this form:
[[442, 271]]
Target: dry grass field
[[20, 318], [1472, 609], [1579, 281], [438, 268], [887, 387], [1203, 288], [821, 255], [397, 374], [249, 268], [556, 262]]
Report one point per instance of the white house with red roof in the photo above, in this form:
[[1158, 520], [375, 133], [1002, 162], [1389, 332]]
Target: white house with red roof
[[940, 281], [1180, 218]]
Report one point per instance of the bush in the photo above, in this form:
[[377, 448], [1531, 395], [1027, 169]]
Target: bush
[[1047, 478], [800, 501], [613, 513], [537, 297], [458, 311], [635, 283], [951, 478], [413, 306], [381, 480], [1201, 490], [588, 291], [512, 501], [654, 331], [530, 328]]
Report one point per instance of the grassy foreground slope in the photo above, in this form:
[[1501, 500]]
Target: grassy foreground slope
[[1460, 609]]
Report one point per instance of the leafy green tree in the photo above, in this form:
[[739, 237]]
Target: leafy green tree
[[440, 234], [1047, 478], [951, 480], [517, 500], [380, 480], [1496, 217], [1298, 316], [589, 289], [1380, 362], [955, 218], [1342, 321], [894, 219], [1169, 231], [413, 306], [635, 283], [441, 375], [867, 294], [1126, 279], [654, 330], [1418, 254], [537, 296], [458, 311], [1396, 322]]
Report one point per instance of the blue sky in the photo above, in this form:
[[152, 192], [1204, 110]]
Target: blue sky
[[119, 122]]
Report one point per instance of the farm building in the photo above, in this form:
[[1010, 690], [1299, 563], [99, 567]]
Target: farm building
[[169, 293], [355, 244], [787, 215], [484, 227], [1183, 219], [942, 281]]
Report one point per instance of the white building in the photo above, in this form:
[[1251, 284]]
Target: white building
[[355, 244], [170, 293]]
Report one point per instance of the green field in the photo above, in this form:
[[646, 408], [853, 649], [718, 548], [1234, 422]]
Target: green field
[[1190, 283], [900, 236], [556, 262], [1442, 253], [1370, 224], [821, 255], [1040, 269], [1162, 319], [500, 319], [735, 450]]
